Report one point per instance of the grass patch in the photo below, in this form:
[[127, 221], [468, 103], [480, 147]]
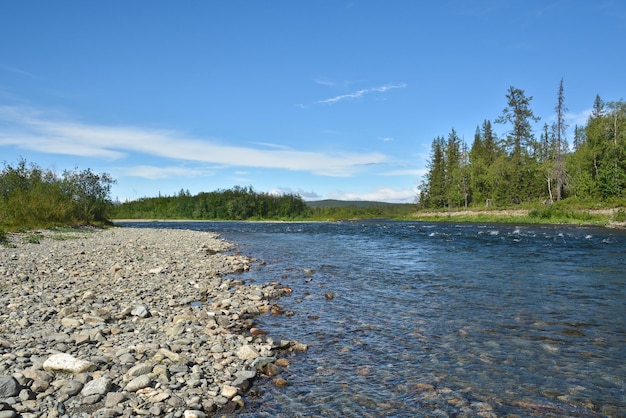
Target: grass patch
[[552, 214], [620, 215], [561, 214], [34, 238]]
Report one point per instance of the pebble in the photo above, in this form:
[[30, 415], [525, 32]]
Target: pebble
[[128, 322]]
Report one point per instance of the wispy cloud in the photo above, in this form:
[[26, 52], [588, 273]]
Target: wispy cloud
[[385, 194], [152, 172], [271, 145], [579, 118], [28, 129], [19, 71], [418, 172], [361, 93], [324, 82]]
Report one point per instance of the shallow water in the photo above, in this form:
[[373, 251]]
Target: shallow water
[[441, 319]]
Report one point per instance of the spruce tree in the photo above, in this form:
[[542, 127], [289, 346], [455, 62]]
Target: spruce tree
[[561, 144], [519, 141]]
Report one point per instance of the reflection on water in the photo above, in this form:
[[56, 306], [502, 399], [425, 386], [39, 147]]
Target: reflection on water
[[442, 319]]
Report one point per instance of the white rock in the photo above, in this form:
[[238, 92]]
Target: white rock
[[63, 362], [246, 352], [191, 413], [70, 322], [229, 392], [140, 311]]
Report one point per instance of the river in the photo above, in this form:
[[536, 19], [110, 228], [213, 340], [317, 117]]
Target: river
[[440, 319]]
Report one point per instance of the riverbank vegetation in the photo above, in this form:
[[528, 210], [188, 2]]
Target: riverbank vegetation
[[336, 209], [31, 197], [519, 171]]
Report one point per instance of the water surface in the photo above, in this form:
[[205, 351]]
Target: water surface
[[423, 319]]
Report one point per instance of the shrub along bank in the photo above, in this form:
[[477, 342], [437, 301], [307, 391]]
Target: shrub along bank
[[32, 197]]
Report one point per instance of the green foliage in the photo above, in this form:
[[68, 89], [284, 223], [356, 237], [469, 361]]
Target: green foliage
[[518, 170], [31, 197], [243, 203], [34, 239], [334, 209], [620, 215], [238, 203], [560, 214]]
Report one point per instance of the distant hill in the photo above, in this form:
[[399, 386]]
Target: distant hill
[[332, 203]]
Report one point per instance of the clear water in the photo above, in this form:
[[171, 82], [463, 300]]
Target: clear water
[[441, 319]]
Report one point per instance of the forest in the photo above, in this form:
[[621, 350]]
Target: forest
[[520, 168], [238, 203]]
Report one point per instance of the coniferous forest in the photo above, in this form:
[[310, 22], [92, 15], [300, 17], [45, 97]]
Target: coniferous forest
[[528, 167], [238, 203]]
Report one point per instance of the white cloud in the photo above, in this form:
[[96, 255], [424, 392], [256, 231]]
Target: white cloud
[[28, 129], [19, 71], [279, 191], [362, 92], [324, 82], [386, 194], [271, 145], [580, 118], [156, 173], [408, 172]]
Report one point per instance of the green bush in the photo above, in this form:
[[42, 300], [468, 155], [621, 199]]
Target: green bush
[[31, 197], [543, 213]]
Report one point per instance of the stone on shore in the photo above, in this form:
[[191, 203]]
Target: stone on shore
[[67, 363], [8, 387], [129, 322], [246, 352], [99, 386]]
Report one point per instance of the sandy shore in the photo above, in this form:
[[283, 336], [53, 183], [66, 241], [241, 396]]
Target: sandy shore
[[130, 322]]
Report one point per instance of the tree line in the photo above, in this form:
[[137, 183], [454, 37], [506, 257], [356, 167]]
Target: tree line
[[519, 168], [32, 197], [237, 203]]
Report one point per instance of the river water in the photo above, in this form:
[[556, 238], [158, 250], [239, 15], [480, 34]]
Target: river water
[[440, 319]]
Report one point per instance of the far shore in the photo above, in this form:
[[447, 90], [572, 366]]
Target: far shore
[[602, 218]]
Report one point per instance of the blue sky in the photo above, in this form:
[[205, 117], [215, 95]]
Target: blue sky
[[327, 99]]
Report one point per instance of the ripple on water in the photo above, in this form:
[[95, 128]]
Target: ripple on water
[[443, 320]]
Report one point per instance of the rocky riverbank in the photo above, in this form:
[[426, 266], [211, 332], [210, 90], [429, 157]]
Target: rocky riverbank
[[131, 322]]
